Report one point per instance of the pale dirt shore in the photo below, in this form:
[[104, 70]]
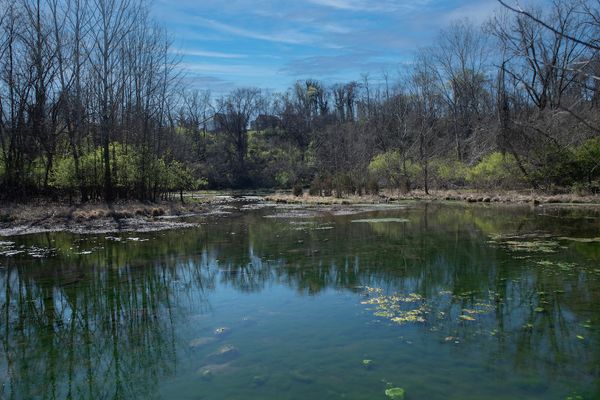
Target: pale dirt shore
[[469, 196], [133, 216], [100, 218]]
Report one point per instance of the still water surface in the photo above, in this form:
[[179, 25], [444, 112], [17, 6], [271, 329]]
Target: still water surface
[[445, 301]]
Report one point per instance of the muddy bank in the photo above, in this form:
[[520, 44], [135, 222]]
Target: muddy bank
[[467, 196], [137, 217], [99, 218], [99, 226]]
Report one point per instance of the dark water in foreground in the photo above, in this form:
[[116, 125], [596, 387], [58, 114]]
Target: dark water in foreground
[[447, 302]]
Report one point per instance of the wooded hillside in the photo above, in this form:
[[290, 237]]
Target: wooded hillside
[[93, 106]]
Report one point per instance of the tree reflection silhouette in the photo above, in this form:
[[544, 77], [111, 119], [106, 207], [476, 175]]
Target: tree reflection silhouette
[[104, 325]]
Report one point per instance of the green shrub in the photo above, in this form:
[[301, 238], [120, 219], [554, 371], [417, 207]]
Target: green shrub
[[555, 168], [128, 174], [284, 179], [448, 173], [587, 158], [496, 170], [394, 171]]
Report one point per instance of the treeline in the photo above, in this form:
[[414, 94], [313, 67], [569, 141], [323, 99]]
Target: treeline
[[93, 107], [86, 90]]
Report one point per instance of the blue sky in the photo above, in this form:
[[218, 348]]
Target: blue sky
[[270, 44]]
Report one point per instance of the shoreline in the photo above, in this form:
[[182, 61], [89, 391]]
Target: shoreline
[[465, 196], [101, 218], [134, 216]]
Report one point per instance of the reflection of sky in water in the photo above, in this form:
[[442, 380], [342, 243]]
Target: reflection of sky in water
[[507, 309]]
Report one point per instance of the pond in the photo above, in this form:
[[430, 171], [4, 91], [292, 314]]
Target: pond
[[445, 301]]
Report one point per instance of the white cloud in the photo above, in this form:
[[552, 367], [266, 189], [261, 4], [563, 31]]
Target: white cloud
[[228, 69], [209, 54], [476, 13], [371, 5], [289, 37]]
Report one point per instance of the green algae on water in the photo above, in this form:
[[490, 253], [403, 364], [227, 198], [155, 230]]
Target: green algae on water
[[381, 220], [395, 393], [396, 308]]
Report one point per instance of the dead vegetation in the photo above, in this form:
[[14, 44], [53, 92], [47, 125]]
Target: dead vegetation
[[44, 216], [469, 196], [39, 211]]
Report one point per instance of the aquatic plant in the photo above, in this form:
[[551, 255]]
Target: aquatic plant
[[395, 393], [397, 308], [381, 220]]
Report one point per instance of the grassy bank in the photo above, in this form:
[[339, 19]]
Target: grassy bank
[[44, 216], [469, 196]]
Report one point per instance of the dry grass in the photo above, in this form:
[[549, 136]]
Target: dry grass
[[17, 213], [45, 212], [473, 196], [469, 196], [317, 200]]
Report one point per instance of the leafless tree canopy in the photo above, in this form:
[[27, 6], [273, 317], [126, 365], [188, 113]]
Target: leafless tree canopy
[[93, 105]]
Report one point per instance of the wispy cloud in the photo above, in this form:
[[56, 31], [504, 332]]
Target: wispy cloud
[[330, 65], [272, 43], [477, 13], [371, 5], [209, 54], [229, 69], [336, 28], [216, 85], [340, 4], [289, 36]]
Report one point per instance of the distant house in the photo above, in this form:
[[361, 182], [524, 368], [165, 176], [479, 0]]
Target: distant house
[[264, 122]]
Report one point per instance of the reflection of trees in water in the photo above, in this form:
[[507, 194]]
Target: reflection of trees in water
[[444, 249], [102, 325], [109, 333]]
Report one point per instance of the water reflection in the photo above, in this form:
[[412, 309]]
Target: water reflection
[[102, 318]]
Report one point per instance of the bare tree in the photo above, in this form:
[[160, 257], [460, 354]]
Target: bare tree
[[237, 110], [113, 20], [462, 58]]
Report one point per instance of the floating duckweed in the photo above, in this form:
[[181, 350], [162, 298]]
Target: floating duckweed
[[409, 316], [398, 309], [479, 308], [9, 249], [381, 220], [373, 290], [414, 308], [535, 246], [563, 266], [395, 393], [581, 240]]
